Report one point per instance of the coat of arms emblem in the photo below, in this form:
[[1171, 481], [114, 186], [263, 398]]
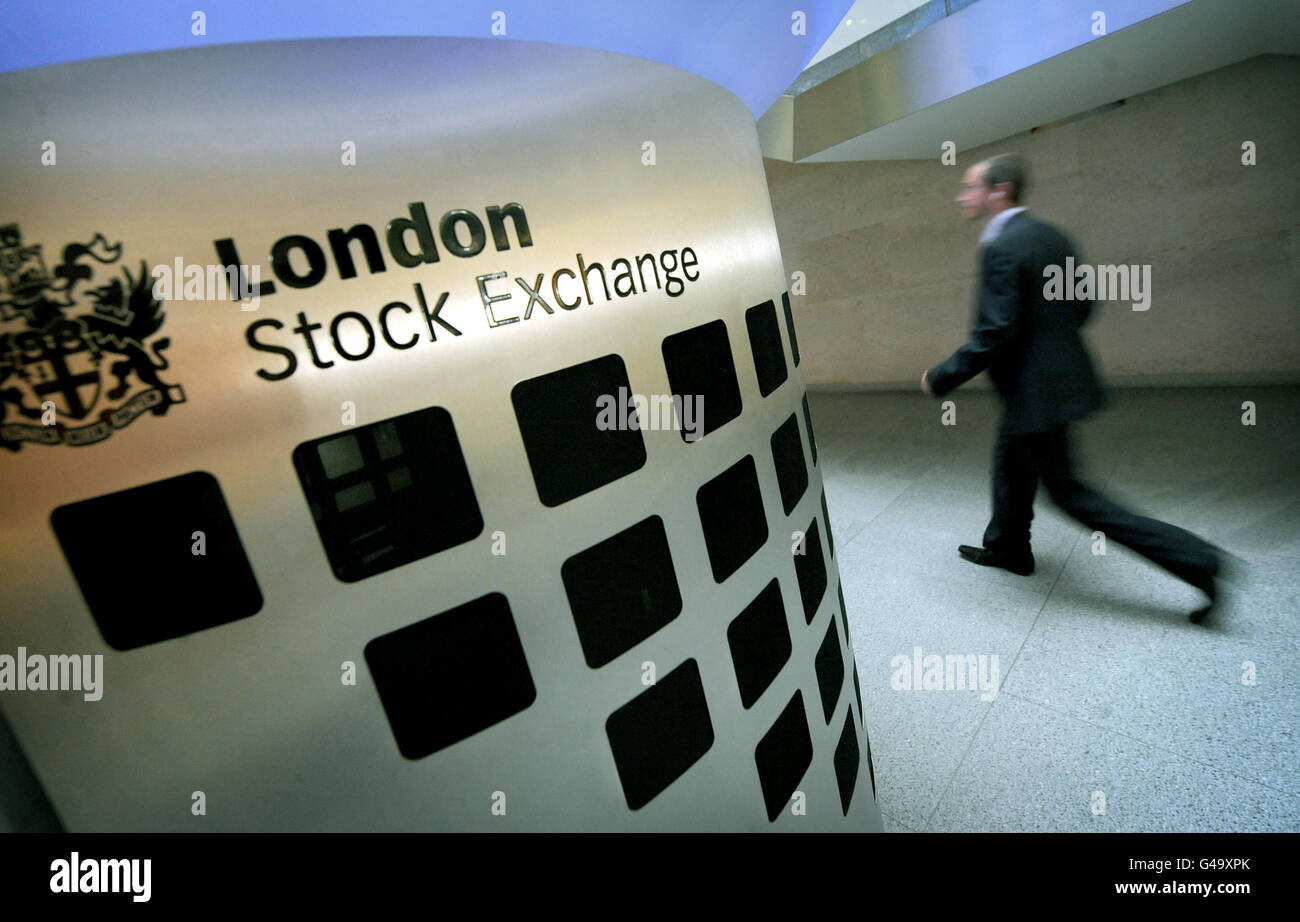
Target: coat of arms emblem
[[74, 373]]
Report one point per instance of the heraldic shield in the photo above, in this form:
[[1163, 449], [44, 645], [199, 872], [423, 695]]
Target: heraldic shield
[[55, 352]]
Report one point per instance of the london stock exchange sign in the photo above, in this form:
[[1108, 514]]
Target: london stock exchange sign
[[342, 383]]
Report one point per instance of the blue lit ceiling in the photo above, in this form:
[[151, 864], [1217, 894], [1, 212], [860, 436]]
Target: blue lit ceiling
[[748, 46]]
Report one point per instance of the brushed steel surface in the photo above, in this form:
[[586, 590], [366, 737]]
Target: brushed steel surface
[[169, 152]]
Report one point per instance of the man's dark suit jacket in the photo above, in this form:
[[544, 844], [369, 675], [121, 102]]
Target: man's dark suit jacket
[[1029, 345]]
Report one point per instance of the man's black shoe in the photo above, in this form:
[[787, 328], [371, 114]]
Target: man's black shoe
[[1201, 614], [1231, 569], [1023, 565]]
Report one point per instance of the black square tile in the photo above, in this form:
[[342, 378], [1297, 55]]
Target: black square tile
[[807, 419], [789, 326], [857, 690], [810, 570], [847, 759], [760, 643], [765, 342], [783, 755], [622, 590], [659, 734], [844, 622], [450, 676], [561, 423], [700, 368], [388, 493], [731, 514], [872, 769], [844, 615], [848, 645], [133, 555], [826, 517], [787, 455], [829, 666]]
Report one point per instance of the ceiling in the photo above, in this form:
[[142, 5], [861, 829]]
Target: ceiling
[[866, 80], [864, 18], [752, 47], [1000, 67]]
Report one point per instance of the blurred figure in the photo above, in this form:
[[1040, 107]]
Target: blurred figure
[[1036, 359]]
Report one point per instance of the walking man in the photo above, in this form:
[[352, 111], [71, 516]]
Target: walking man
[[1036, 359]]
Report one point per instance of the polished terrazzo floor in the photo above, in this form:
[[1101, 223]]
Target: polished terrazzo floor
[[1112, 712]]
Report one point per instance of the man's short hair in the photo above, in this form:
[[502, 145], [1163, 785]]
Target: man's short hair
[[1010, 168]]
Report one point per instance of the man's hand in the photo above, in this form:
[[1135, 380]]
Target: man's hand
[[925, 382]]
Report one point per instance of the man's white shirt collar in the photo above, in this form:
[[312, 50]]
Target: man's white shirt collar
[[996, 223]]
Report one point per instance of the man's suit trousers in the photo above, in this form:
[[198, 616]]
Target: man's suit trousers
[[1020, 460]]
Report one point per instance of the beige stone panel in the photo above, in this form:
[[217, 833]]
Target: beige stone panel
[[1219, 307]]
